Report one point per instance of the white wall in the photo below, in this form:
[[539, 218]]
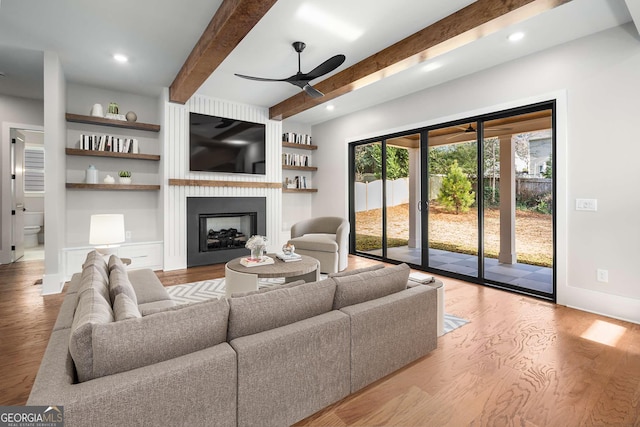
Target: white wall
[[55, 194], [595, 80], [176, 166], [14, 113], [141, 209]]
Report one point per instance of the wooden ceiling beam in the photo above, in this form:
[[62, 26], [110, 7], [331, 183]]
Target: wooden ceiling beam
[[231, 23], [471, 23]]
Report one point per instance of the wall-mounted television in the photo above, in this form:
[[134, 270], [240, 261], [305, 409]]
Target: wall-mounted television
[[219, 144]]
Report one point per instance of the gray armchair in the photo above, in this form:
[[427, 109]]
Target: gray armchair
[[325, 239]]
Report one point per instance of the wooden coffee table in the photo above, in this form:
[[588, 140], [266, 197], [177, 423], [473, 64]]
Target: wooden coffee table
[[239, 278]]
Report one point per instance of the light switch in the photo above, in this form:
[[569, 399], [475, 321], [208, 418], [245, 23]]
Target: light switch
[[587, 204]]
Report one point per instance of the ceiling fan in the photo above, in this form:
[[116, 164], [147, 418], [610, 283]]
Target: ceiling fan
[[470, 129], [301, 79]]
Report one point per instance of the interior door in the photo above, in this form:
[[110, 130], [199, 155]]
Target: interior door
[[17, 194]]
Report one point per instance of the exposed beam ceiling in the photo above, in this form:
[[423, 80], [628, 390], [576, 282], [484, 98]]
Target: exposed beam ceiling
[[231, 23], [465, 26]]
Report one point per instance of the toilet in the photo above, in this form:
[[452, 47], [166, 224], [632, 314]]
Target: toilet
[[33, 222]]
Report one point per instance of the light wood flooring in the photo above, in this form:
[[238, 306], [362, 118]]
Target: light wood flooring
[[519, 361]]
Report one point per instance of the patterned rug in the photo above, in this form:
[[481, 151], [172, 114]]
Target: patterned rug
[[214, 288]]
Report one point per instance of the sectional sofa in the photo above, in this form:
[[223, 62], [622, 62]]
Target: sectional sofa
[[122, 353]]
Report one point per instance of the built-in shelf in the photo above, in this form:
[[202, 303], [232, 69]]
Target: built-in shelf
[[300, 168], [299, 190], [97, 153], [300, 146], [116, 187], [78, 118]]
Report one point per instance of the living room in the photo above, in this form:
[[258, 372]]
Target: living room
[[592, 79]]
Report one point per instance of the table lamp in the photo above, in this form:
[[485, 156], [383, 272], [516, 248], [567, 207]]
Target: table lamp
[[106, 232]]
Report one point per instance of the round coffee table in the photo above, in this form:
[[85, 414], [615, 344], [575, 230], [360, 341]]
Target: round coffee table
[[239, 278]]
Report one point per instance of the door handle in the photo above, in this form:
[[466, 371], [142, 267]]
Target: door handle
[[426, 205]]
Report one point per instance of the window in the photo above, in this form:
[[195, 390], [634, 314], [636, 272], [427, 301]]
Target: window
[[33, 169]]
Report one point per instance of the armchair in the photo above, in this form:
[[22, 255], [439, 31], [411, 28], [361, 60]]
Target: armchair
[[325, 239]]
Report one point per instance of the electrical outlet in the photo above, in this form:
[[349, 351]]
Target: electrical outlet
[[602, 275], [587, 204], [127, 235]]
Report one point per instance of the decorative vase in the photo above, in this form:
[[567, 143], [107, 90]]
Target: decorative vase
[[91, 175], [257, 252], [131, 116], [288, 249], [96, 110], [124, 180], [109, 179]]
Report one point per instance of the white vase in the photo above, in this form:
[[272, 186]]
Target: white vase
[[97, 110], [124, 180]]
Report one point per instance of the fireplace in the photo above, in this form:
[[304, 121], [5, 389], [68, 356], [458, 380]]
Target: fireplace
[[219, 227], [221, 232]]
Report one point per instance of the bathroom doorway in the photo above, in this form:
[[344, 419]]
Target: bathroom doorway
[[27, 192]]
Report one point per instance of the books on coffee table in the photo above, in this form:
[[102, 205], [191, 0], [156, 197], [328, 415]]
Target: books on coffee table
[[420, 278], [256, 262], [288, 258]]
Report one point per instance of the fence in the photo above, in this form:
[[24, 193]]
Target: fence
[[369, 195]]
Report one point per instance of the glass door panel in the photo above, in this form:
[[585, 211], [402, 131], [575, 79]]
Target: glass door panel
[[368, 192], [403, 195], [453, 214], [518, 201]]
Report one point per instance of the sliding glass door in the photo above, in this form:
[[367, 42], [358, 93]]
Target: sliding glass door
[[472, 199]]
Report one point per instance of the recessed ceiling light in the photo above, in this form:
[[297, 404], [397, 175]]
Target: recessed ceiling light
[[516, 37], [120, 58], [330, 107], [431, 66]]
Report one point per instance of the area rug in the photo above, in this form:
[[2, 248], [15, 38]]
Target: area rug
[[214, 288]]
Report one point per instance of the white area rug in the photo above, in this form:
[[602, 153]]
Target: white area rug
[[214, 288]]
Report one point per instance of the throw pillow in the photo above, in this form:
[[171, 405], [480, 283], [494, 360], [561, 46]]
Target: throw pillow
[[124, 308], [96, 259], [92, 277], [370, 285], [119, 283], [116, 263]]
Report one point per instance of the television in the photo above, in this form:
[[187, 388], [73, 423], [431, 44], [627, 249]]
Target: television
[[220, 144]]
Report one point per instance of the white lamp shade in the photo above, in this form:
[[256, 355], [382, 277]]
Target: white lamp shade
[[106, 229]]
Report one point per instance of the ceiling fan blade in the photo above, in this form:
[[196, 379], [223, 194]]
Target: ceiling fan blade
[[262, 79], [312, 92], [326, 67]]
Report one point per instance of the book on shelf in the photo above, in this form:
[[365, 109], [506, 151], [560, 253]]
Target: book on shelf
[[421, 278], [256, 262], [296, 138], [288, 258], [108, 143]]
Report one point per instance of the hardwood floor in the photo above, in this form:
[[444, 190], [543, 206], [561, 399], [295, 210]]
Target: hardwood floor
[[519, 361]]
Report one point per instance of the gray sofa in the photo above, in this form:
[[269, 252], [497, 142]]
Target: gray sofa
[[264, 358]]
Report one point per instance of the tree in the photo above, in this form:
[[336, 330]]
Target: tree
[[368, 160], [455, 192], [548, 169]]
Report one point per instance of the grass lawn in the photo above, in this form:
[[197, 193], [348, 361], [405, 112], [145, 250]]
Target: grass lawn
[[459, 233]]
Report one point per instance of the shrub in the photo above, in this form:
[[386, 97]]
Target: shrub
[[455, 193]]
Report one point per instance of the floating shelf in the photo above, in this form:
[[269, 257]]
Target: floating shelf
[[91, 120], [300, 146], [299, 190], [299, 168], [116, 187], [97, 153]]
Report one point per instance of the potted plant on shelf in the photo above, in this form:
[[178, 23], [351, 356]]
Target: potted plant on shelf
[[125, 177]]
